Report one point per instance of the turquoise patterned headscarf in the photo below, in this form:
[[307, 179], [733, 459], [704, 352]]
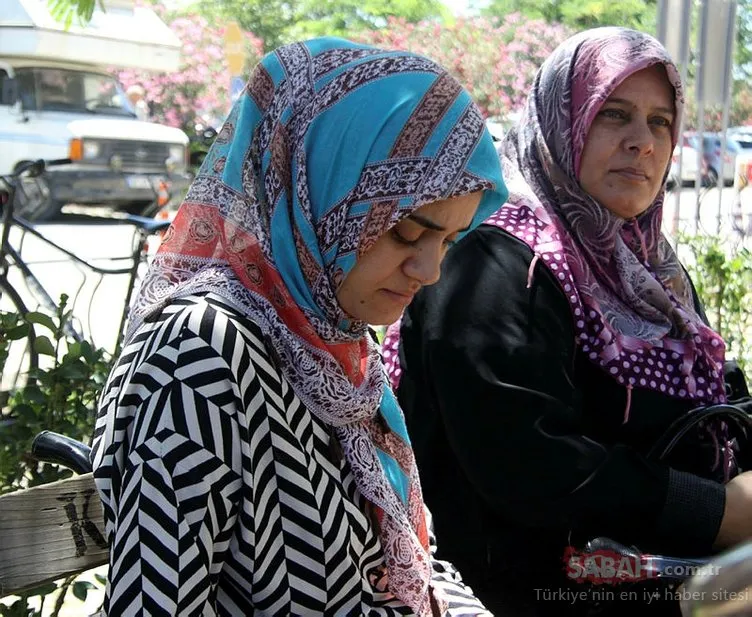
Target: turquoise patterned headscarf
[[331, 144]]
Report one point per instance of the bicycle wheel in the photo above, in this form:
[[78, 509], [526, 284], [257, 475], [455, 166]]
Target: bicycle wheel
[[17, 354]]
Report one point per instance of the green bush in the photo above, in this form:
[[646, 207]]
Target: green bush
[[723, 279], [60, 395]]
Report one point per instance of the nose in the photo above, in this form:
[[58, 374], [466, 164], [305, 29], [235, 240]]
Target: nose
[[424, 265], [641, 138]]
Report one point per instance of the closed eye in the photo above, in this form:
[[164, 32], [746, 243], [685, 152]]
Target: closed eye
[[401, 239]]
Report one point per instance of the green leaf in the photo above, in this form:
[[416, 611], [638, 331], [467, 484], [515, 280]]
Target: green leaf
[[43, 320], [81, 589], [24, 412], [87, 351], [74, 350], [74, 370], [35, 395], [42, 590], [19, 332], [43, 346], [102, 580]]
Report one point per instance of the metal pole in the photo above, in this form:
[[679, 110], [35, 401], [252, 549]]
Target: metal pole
[[683, 62], [662, 24], [700, 108], [730, 36]]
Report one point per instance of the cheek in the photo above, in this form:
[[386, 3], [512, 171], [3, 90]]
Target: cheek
[[374, 269]]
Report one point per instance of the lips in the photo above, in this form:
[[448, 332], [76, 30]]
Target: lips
[[400, 296], [632, 173]]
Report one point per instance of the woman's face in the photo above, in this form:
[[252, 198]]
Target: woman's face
[[385, 279], [628, 147]]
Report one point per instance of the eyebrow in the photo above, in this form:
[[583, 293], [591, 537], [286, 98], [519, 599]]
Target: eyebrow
[[429, 224], [665, 110]]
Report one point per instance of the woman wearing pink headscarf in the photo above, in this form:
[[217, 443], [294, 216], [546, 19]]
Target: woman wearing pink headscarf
[[562, 341]]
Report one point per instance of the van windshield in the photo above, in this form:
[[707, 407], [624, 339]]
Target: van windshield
[[53, 89]]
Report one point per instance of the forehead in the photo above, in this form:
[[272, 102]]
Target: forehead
[[648, 87]]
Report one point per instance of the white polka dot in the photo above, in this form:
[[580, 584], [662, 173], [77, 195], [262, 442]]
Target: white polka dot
[[653, 384], [577, 312], [580, 324], [682, 392], [567, 287], [625, 364], [700, 393], [637, 369], [613, 370], [554, 266], [643, 381], [648, 371], [663, 387]]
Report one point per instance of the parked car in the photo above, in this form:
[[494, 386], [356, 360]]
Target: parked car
[[688, 169], [58, 100], [715, 159]]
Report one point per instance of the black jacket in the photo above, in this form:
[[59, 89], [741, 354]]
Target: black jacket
[[520, 439]]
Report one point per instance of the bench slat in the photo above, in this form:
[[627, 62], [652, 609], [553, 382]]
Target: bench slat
[[50, 532]]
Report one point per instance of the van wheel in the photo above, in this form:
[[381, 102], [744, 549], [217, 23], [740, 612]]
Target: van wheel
[[33, 200]]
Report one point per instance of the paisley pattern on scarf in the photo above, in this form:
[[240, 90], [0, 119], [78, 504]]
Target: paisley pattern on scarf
[[328, 147]]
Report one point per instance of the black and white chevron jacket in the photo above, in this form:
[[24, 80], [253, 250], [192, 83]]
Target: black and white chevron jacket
[[221, 493]]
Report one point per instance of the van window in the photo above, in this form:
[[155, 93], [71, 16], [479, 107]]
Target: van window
[[72, 91], [26, 89]]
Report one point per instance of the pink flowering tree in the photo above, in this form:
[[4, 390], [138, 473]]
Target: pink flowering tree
[[495, 60], [200, 90]]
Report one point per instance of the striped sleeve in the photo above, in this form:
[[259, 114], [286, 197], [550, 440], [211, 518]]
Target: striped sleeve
[[179, 489]]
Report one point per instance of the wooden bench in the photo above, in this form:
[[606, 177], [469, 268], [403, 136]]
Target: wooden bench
[[50, 532]]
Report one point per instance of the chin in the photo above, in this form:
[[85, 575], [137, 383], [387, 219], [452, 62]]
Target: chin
[[383, 318], [628, 210]]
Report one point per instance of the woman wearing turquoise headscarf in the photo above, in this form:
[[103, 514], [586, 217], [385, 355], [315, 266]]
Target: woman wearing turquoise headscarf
[[250, 455]]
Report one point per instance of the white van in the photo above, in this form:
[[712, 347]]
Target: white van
[[58, 100]]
